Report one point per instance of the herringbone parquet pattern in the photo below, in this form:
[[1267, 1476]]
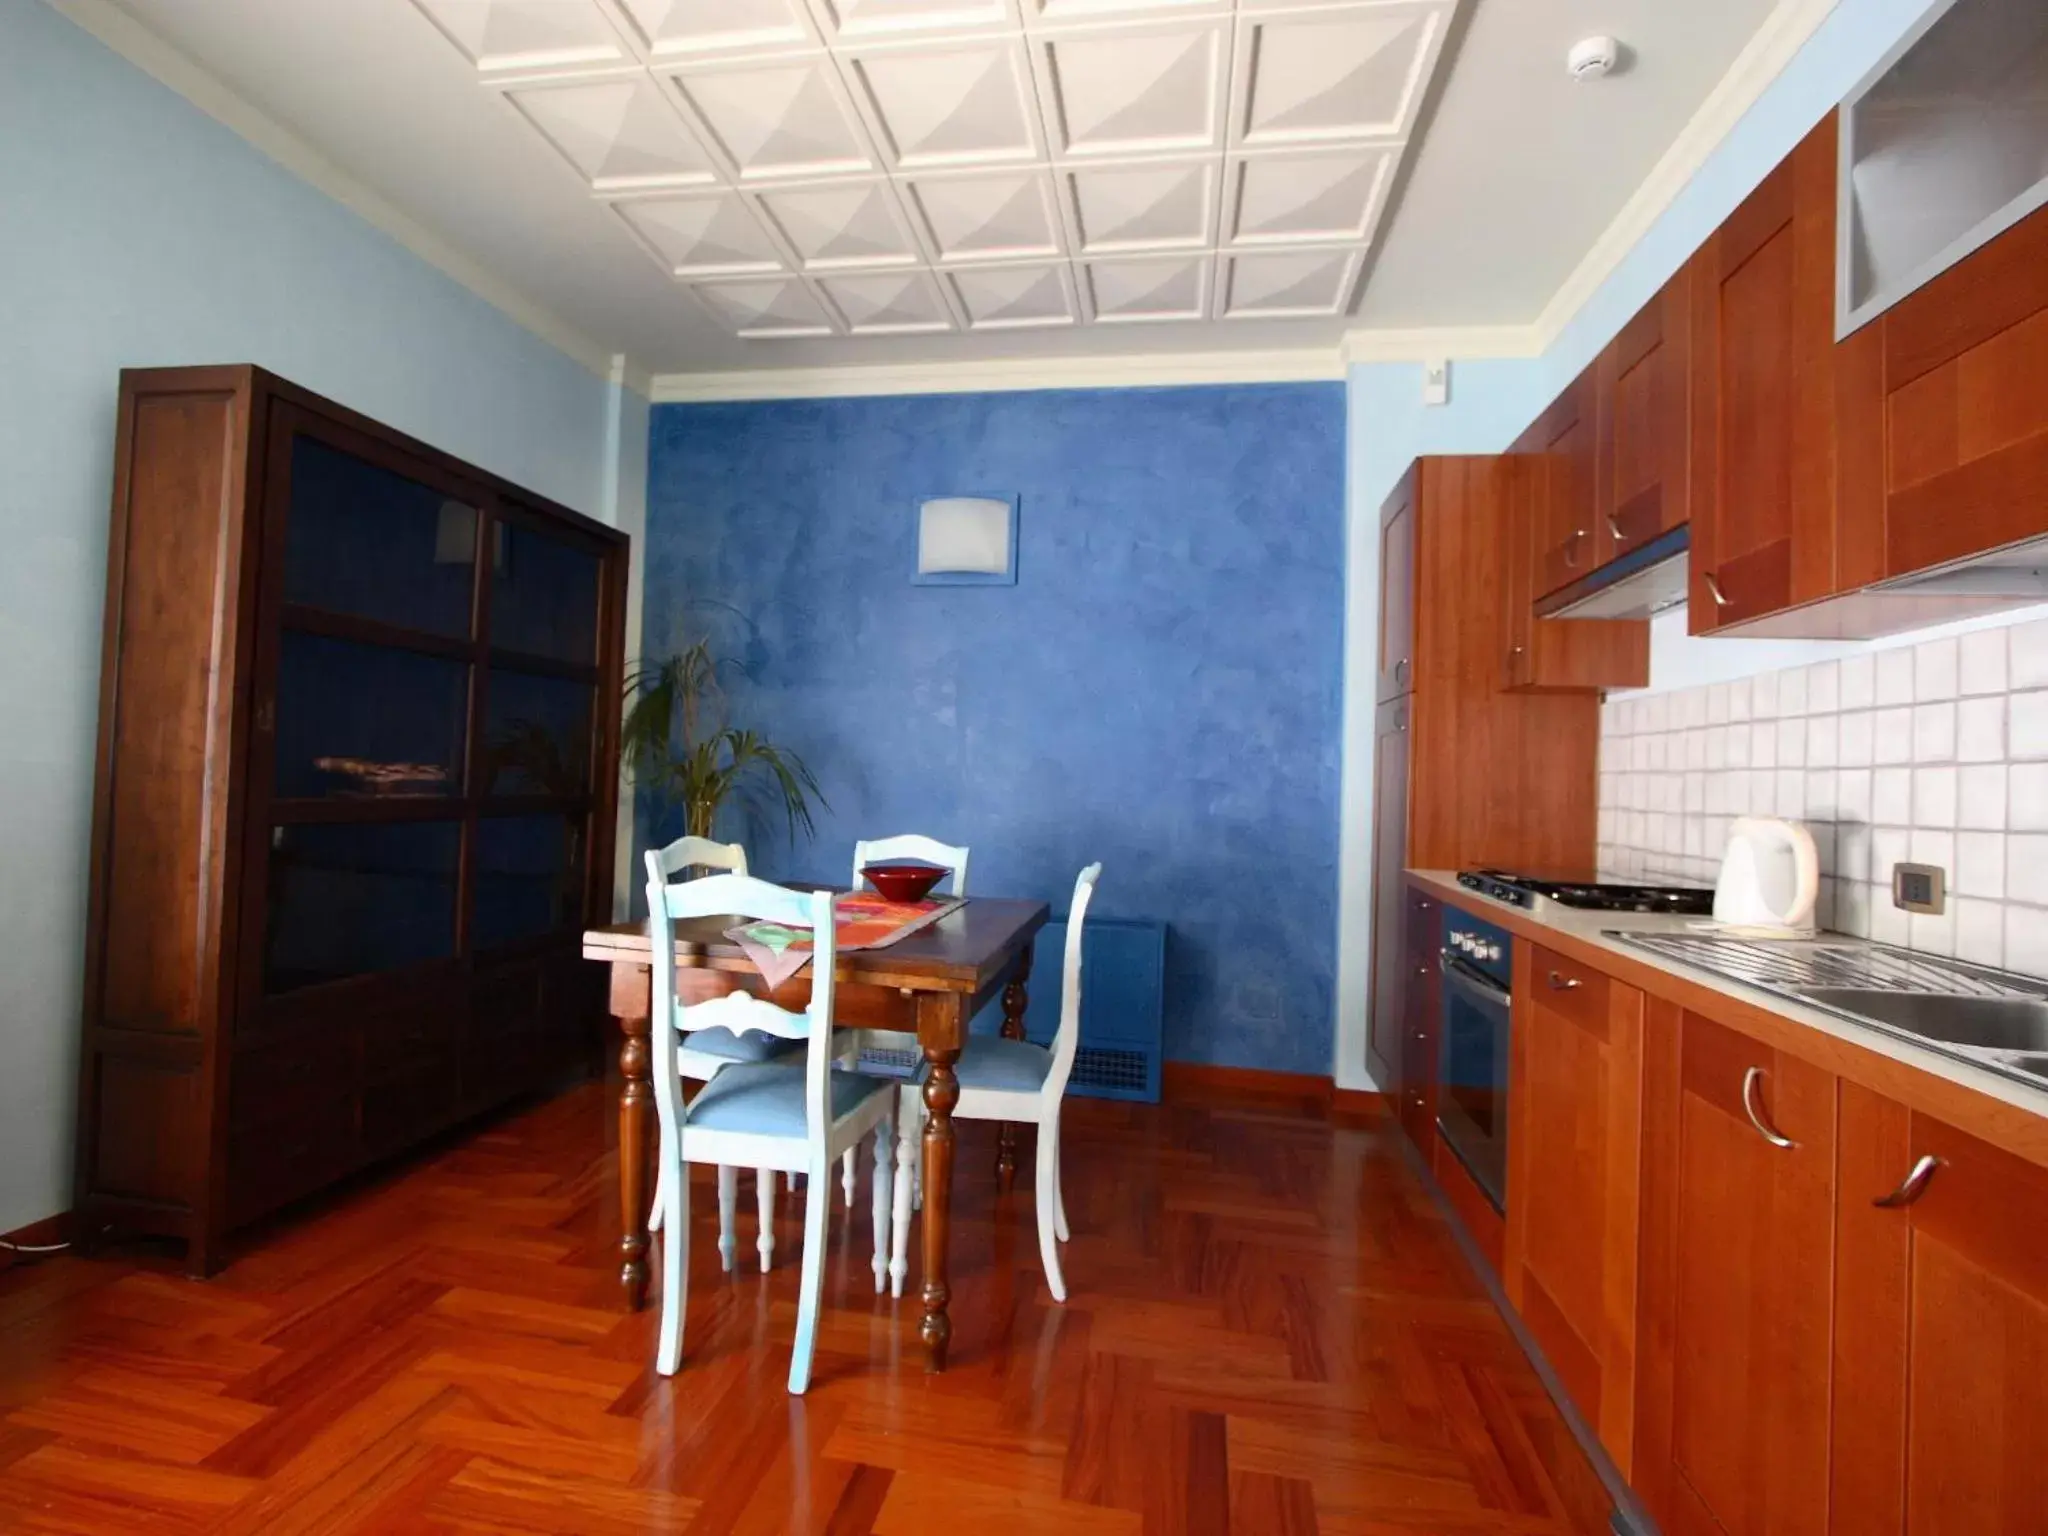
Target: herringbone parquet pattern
[[1269, 1333]]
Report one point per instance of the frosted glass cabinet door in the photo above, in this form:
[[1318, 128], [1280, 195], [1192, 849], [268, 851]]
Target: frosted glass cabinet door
[[1944, 146]]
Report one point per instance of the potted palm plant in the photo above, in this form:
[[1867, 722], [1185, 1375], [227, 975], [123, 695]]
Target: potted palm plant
[[681, 747]]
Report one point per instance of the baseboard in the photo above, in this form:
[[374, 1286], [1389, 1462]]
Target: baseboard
[[37, 1234], [1199, 1080], [1360, 1105]]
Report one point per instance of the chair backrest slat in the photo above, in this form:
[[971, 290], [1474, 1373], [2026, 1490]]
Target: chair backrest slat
[[913, 845], [740, 898], [1068, 1038], [699, 853]]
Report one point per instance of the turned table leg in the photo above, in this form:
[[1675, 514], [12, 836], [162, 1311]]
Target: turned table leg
[[632, 1008], [1016, 997], [941, 1093]]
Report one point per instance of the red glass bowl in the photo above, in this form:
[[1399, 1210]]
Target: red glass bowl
[[908, 880]]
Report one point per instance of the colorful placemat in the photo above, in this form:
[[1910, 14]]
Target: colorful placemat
[[778, 951]]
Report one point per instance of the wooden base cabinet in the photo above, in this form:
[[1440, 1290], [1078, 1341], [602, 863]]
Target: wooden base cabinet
[[1422, 1014], [1941, 1330], [1575, 1104], [353, 806], [1738, 1209]]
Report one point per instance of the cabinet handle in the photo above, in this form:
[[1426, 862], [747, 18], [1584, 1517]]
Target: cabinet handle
[[1763, 1127], [1401, 670], [1714, 589], [1614, 527], [1571, 547], [1914, 1186], [1563, 983]]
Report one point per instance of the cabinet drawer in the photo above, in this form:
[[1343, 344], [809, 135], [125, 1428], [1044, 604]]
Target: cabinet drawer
[[282, 1159], [405, 1036], [407, 1106], [1569, 988], [293, 1074]]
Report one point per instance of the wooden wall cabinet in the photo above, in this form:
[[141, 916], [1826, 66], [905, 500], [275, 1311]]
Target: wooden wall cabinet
[[1943, 406], [1575, 1105], [1397, 590], [1737, 1291], [1763, 441], [354, 801], [1643, 435], [1941, 1330], [1555, 655], [1567, 513]]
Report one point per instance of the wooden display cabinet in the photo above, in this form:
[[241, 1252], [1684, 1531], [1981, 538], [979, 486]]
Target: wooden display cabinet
[[354, 801]]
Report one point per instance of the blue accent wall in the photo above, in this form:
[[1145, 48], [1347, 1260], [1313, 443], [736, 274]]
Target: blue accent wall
[[1161, 690]]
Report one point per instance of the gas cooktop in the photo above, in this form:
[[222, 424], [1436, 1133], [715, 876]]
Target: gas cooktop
[[1593, 896]]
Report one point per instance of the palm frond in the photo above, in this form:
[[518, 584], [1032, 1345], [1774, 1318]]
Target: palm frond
[[676, 740]]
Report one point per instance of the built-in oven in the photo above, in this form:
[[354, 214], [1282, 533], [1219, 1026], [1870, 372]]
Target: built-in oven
[[1472, 1049]]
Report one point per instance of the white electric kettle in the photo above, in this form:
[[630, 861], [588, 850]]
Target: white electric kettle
[[1770, 877]]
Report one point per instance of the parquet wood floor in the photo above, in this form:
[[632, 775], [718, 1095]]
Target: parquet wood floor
[[1270, 1332]]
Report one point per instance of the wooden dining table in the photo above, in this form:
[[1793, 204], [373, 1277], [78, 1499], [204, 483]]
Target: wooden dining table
[[930, 983]]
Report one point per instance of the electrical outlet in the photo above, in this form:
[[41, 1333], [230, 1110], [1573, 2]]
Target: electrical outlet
[[1920, 888]]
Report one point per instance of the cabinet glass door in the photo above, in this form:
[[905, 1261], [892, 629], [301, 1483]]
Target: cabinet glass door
[[369, 542]]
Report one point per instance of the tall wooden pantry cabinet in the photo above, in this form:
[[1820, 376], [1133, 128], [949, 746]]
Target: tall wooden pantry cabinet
[[353, 801]]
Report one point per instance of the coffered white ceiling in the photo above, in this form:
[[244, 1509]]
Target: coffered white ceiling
[[712, 185], [809, 168]]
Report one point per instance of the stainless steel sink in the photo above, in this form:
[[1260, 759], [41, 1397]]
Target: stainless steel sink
[[2017, 1024], [1990, 1018]]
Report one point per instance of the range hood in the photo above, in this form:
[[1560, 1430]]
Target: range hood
[[1644, 581]]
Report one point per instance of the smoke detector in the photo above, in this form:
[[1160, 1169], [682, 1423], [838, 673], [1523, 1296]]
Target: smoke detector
[[1592, 57]]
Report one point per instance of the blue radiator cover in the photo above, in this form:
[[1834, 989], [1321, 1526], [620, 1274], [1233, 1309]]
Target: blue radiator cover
[[1123, 967]]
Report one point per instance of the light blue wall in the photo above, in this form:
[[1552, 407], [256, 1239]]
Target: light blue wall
[[1492, 401], [136, 231], [1159, 691]]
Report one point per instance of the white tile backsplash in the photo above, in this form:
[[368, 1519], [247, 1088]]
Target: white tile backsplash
[[1937, 752]]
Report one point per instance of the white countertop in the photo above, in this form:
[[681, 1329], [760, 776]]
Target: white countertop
[[1592, 928]]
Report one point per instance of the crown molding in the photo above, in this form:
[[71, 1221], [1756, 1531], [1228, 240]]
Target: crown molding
[[1425, 344], [136, 43], [1123, 371], [1784, 32]]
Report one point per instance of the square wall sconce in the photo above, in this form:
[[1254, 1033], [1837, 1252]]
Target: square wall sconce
[[966, 541]]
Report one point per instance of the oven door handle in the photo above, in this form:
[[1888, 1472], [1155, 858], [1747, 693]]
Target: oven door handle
[[1476, 984]]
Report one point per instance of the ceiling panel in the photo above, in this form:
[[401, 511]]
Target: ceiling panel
[[900, 166], [1008, 298], [1146, 288], [765, 308], [840, 225], [620, 135], [889, 303], [663, 31]]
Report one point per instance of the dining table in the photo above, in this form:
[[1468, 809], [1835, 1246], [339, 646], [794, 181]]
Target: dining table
[[931, 983]]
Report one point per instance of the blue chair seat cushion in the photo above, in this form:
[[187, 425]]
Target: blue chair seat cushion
[[767, 1099], [1015, 1066], [753, 1045]]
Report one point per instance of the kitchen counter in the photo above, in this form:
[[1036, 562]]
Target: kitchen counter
[[2006, 1112]]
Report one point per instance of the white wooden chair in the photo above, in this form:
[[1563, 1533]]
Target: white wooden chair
[[1010, 1080], [788, 1115], [877, 850], [712, 1049]]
